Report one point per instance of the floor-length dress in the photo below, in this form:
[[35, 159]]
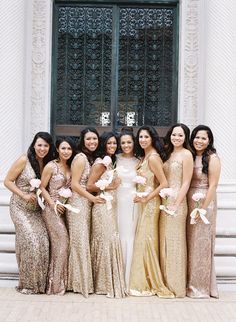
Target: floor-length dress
[[173, 248], [201, 243], [80, 279], [126, 209], [145, 276], [32, 245], [58, 235], [106, 251]]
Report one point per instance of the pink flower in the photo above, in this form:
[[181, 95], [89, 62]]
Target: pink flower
[[140, 180], [35, 183], [65, 193], [198, 196], [102, 184], [106, 161]]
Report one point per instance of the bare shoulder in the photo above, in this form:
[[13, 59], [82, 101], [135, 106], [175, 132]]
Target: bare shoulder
[[187, 153], [21, 161], [154, 158], [79, 159]]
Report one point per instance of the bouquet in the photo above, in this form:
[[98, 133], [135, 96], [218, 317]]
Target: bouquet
[[166, 194], [102, 184], [197, 211], [65, 194], [140, 180], [106, 161], [35, 184]]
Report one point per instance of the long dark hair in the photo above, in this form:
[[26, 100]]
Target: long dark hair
[[168, 146], [208, 151], [156, 142], [71, 144], [104, 138], [32, 155], [90, 155]]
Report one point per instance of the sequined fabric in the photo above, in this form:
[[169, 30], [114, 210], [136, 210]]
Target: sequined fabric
[[80, 279], [106, 252], [58, 235], [126, 209], [146, 277], [32, 246], [173, 249], [201, 244]]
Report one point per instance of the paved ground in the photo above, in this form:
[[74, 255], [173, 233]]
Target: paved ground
[[15, 307]]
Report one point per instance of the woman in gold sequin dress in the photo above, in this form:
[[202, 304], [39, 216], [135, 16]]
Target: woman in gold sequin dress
[[55, 177], [145, 276], [200, 236], [32, 246], [106, 252], [178, 169], [80, 279]]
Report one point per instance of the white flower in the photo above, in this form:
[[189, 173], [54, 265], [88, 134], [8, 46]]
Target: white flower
[[106, 161], [65, 193], [140, 180], [166, 192], [198, 196], [102, 184], [35, 183]]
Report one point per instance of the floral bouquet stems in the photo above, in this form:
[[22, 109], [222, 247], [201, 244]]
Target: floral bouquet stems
[[35, 184], [65, 194], [165, 194], [197, 211]]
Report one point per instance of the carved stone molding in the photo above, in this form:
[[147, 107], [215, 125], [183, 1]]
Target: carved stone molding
[[189, 61], [40, 73]]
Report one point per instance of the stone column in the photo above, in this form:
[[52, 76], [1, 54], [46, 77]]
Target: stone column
[[12, 68], [220, 115]]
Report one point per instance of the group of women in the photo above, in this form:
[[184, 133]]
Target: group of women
[[113, 239]]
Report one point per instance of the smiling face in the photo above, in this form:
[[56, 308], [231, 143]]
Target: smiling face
[[65, 151], [145, 139], [41, 148], [91, 141], [111, 146], [127, 144], [177, 137], [201, 141]]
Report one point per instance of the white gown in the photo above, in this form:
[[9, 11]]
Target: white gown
[[127, 210]]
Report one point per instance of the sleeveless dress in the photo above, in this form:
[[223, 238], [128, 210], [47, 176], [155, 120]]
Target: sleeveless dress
[[106, 252], [201, 243], [58, 235], [80, 279], [145, 277], [32, 246], [126, 209], [173, 248]]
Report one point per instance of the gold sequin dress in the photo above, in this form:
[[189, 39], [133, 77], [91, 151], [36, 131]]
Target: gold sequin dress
[[173, 248], [146, 277], [80, 279], [32, 246], [201, 243], [58, 235], [106, 252]]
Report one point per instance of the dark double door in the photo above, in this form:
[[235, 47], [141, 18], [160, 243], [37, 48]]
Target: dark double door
[[114, 65]]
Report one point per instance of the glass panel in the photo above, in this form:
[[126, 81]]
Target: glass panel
[[83, 85], [146, 67]]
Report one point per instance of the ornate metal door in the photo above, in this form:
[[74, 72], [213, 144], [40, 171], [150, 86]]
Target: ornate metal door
[[114, 65]]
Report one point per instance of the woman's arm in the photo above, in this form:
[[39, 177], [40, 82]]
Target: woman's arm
[[9, 182], [96, 172], [156, 167], [77, 169], [186, 179], [213, 178]]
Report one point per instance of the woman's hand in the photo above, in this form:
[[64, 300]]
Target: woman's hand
[[98, 199], [172, 208], [140, 199], [29, 197], [114, 184]]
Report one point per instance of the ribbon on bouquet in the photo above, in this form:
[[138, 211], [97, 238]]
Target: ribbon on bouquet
[[169, 212], [39, 199], [67, 206], [108, 197], [202, 214]]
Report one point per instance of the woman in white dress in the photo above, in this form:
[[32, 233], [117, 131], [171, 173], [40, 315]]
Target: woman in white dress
[[127, 210]]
